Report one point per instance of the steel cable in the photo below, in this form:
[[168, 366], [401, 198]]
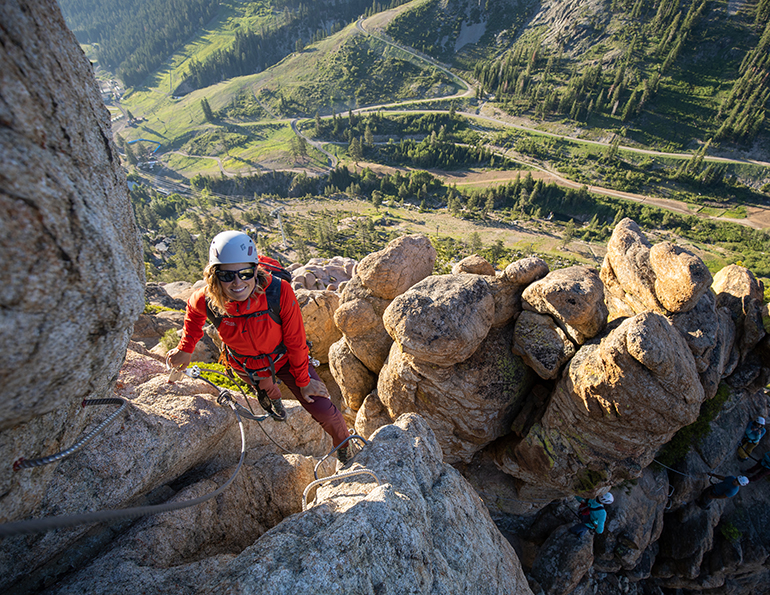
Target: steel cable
[[23, 463], [59, 522]]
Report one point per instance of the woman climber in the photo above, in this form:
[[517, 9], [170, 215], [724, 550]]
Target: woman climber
[[263, 346]]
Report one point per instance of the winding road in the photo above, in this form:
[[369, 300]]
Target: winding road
[[758, 217]]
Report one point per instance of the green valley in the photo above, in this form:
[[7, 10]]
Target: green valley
[[527, 120]]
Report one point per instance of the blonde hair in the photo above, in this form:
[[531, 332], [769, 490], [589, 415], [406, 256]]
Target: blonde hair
[[215, 293]]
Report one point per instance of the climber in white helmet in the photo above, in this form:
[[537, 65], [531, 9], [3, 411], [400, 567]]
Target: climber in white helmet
[[264, 343], [752, 436], [726, 488], [592, 514]]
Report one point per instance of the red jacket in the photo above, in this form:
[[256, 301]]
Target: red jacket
[[255, 335]]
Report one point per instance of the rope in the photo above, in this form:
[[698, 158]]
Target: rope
[[674, 470], [23, 463], [59, 522]]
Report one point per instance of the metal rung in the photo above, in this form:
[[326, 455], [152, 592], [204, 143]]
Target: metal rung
[[334, 477], [335, 449]]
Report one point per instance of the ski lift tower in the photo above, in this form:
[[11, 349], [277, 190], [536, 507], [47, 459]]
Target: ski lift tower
[[277, 213]]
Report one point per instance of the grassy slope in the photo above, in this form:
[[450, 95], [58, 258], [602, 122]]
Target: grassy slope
[[684, 111]]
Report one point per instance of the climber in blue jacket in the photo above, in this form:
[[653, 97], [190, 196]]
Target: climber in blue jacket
[[726, 488], [592, 514], [751, 438]]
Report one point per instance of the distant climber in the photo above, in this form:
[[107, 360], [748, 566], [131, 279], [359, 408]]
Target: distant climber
[[726, 488], [761, 469], [754, 432], [592, 514], [260, 349]]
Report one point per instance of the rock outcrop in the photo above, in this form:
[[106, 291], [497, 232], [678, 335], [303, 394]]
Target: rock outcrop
[[320, 274], [574, 298], [68, 240], [378, 279], [422, 530], [639, 277], [168, 430], [597, 431]]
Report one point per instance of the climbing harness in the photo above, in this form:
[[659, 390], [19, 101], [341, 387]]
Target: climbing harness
[[195, 373], [23, 463]]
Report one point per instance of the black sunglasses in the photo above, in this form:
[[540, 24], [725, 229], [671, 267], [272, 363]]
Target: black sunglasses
[[229, 276]]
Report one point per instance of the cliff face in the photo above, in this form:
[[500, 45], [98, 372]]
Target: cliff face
[[73, 272]]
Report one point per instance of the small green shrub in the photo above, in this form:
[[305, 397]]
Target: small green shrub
[[678, 447], [730, 532], [218, 379], [170, 339], [154, 309]]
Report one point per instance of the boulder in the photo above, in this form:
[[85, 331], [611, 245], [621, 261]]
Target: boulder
[[627, 272], [525, 271], [467, 405], [179, 551], [700, 327], [422, 531], [371, 416], [739, 291], [563, 561], [724, 358], [621, 397], [149, 328], [574, 297], [156, 295], [360, 321], [318, 309], [320, 274], [475, 265], [542, 345], [179, 290], [167, 430], [507, 298], [734, 285], [398, 266], [68, 240], [681, 278], [442, 319], [614, 296], [353, 377]]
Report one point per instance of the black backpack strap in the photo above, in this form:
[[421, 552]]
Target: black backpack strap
[[213, 317], [273, 294]]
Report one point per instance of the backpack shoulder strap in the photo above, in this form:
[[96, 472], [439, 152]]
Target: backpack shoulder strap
[[213, 317], [273, 294]]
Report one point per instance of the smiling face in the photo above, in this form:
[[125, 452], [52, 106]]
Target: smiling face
[[238, 290]]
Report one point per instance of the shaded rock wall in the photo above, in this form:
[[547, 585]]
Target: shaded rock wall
[[69, 245]]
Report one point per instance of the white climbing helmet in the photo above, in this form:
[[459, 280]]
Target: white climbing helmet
[[761, 421], [743, 480], [232, 247], [607, 498]]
